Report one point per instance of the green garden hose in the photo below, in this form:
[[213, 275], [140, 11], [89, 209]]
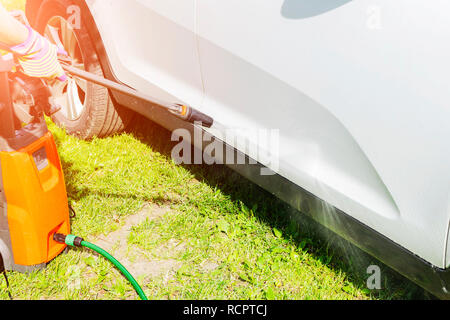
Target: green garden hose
[[72, 240]]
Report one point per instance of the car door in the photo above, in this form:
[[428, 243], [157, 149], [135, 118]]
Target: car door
[[151, 46], [348, 84]]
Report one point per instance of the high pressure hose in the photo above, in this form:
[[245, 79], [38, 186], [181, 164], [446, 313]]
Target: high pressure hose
[[75, 241]]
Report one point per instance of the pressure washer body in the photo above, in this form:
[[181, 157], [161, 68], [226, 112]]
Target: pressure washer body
[[33, 198]]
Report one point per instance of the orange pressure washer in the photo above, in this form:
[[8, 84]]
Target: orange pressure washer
[[33, 198]]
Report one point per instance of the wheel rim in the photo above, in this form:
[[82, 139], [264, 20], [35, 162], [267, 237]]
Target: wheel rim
[[70, 95]]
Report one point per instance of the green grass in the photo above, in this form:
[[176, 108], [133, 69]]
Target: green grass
[[256, 246], [235, 241]]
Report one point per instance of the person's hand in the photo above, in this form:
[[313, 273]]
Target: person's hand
[[39, 57]]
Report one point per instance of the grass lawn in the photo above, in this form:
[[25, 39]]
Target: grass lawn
[[202, 232], [190, 232]]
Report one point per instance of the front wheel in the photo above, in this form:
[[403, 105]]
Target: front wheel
[[87, 110]]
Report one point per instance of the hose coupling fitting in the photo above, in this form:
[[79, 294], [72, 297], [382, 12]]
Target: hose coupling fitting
[[70, 239]]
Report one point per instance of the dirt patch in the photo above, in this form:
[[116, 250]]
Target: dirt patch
[[169, 249], [208, 266], [132, 257]]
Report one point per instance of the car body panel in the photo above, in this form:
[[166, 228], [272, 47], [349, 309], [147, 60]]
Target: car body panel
[[357, 90], [152, 46]]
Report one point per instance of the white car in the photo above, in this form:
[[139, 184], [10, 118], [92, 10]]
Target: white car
[[357, 93]]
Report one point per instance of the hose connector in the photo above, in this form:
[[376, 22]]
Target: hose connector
[[60, 238], [69, 239]]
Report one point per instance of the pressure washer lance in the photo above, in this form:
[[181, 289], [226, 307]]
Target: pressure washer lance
[[75, 241], [182, 111]]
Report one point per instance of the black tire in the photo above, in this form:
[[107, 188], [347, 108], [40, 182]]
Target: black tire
[[100, 116]]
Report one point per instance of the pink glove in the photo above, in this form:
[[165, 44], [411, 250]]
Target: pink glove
[[39, 57]]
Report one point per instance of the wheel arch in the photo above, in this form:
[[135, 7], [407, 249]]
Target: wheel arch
[[113, 120]]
